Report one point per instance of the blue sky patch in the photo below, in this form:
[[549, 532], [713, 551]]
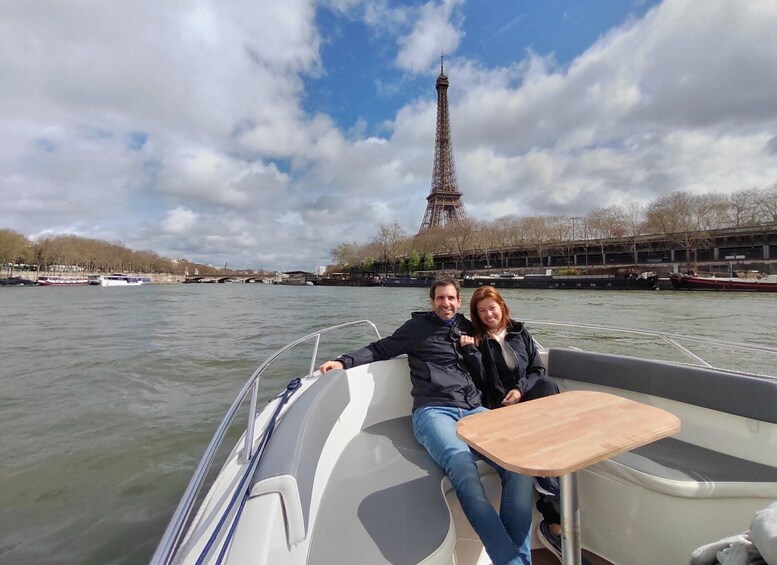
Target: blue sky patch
[[136, 140]]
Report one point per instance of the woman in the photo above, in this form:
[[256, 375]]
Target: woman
[[507, 368]]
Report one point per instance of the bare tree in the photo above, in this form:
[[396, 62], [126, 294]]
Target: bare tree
[[367, 255], [559, 229], [70, 251], [506, 232], [389, 239], [344, 253], [604, 224], [676, 216], [743, 208], [711, 210], [767, 204], [634, 218], [14, 247], [537, 233], [482, 242], [458, 238], [429, 241]]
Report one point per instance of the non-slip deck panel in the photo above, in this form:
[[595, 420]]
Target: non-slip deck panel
[[383, 502], [296, 444], [741, 395]]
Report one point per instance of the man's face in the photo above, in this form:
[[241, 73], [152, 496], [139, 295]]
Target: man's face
[[446, 303]]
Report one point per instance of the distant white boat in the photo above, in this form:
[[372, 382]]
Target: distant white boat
[[122, 280], [61, 281]]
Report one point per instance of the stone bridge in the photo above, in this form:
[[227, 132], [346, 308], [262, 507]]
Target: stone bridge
[[235, 278]]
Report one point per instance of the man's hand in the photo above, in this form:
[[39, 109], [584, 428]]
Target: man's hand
[[512, 397], [329, 365], [466, 340]]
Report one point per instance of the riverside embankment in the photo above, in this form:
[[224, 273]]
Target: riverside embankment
[[156, 278]]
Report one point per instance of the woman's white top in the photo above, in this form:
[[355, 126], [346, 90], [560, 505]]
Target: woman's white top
[[499, 337]]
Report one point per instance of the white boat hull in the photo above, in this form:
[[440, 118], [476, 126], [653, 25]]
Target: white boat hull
[[121, 281], [629, 516]]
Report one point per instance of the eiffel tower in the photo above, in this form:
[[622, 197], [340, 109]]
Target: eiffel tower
[[443, 205]]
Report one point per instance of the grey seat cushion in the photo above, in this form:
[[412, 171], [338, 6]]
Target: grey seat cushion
[[681, 469], [383, 502]]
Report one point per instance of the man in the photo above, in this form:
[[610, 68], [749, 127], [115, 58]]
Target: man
[[443, 393]]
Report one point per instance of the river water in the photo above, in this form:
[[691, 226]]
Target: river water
[[109, 396]]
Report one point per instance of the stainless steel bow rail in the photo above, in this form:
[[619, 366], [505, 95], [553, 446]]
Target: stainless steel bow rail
[[171, 539], [670, 338]]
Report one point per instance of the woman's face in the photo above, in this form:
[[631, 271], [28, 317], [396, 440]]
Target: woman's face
[[490, 313]]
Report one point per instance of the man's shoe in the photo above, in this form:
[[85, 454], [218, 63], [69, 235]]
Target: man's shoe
[[552, 542], [548, 539], [547, 486]]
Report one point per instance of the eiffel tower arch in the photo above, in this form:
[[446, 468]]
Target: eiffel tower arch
[[443, 205]]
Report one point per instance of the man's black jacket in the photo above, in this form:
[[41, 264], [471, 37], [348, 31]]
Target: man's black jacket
[[438, 372]]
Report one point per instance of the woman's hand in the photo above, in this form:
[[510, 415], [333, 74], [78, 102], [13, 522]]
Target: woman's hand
[[512, 397], [466, 340]]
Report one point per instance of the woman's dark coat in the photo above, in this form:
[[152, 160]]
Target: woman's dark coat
[[492, 375]]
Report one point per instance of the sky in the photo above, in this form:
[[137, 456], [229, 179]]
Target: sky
[[262, 134]]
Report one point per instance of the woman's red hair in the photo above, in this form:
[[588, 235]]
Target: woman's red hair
[[479, 295]]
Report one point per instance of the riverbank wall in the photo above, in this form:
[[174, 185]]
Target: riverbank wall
[[156, 278]]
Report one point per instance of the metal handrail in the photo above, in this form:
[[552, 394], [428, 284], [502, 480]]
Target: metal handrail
[[170, 540], [670, 338]]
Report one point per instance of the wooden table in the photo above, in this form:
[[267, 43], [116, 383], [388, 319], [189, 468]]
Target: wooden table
[[558, 435]]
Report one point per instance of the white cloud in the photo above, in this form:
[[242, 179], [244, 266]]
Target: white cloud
[[437, 30], [682, 99], [179, 220], [207, 177], [186, 128]]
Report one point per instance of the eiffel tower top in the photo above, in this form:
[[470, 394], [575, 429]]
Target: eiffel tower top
[[443, 205], [442, 79]]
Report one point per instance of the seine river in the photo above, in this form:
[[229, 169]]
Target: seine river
[[109, 396]]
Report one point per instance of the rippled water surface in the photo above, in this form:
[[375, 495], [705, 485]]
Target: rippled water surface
[[109, 396]]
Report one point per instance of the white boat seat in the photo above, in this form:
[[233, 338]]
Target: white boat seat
[[678, 468], [384, 497], [288, 466], [671, 466]]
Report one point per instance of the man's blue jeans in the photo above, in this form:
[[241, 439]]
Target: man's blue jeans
[[507, 535]]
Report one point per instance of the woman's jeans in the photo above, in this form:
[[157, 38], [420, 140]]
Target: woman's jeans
[[506, 536]]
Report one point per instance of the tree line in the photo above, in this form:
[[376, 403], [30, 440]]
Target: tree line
[[681, 217], [63, 252]]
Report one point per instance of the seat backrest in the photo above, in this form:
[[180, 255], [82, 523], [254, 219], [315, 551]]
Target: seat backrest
[[297, 442], [717, 389]]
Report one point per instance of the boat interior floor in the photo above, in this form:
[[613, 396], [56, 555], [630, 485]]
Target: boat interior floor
[[545, 557]]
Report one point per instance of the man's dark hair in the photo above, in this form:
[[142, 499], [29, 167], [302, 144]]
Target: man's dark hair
[[445, 281]]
